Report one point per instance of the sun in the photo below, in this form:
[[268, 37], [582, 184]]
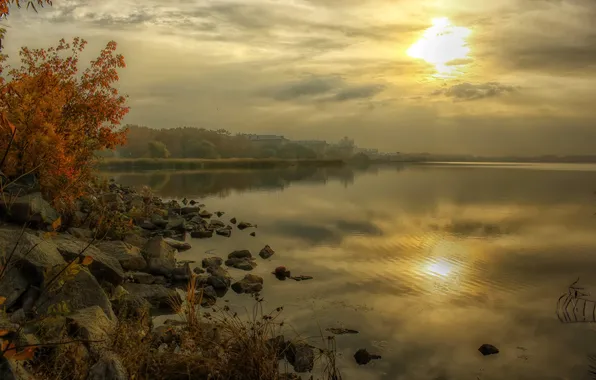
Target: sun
[[443, 45]]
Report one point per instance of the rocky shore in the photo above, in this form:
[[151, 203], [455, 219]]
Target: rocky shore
[[78, 277]]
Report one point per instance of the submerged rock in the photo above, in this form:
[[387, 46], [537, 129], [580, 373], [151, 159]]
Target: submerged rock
[[219, 278], [224, 232], [211, 262], [281, 273], [301, 356], [488, 349], [201, 234], [233, 220], [362, 356], [243, 263], [177, 244], [249, 284], [244, 225]]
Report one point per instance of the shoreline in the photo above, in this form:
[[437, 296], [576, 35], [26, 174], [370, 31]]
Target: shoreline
[[206, 164]]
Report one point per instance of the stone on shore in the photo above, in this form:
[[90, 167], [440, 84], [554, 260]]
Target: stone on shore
[[201, 234], [31, 209], [226, 232], [157, 295], [128, 255], [108, 367], [244, 225], [266, 252], [219, 278], [178, 245], [160, 257], [92, 324], [301, 356], [211, 262], [249, 284]]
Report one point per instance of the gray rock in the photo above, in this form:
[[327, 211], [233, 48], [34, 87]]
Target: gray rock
[[176, 224], [111, 198], [219, 278], [159, 221], [201, 234], [205, 214], [488, 349], [301, 356], [160, 257], [142, 278], [32, 255], [147, 225], [91, 324], [249, 284], [240, 254], [135, 239], [79, 292], [362, 356], [198, 270], [104, 266], [215, 224], [266, 252], [223, 232], [177, 244], [182, 274], [243, 264], [31, 208], [244, 225], [157, 295], [80, 233], [109, 367], [135, 308], [211, 262], [12, 286], [129, 256], [189, 210], [13, 370], [233, 220]]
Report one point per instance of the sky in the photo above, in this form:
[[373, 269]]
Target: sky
[[442, 76]]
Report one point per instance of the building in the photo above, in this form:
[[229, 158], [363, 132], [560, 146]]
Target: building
[[266, 139]]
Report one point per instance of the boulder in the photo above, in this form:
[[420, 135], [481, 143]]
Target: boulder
[[129, 256], [108, 367], [176, 223], [233, 220], [189, 210], [282, 273], [244, 225], [205, 214], [219, 278], [177, 244], [278, 345], [249, 284], [157, 295], [134, 308], [488, 349], [211, 262], [266, 252], [226, 232], [12, 286], [135, 239], [23, 185], [201, 234], [33, 256], [80, 233], [240, 254], [104, 266], [215, 224], [80, 291], [147, 225], [362, 356], [160, 257], [182, 273], [91, 324], [31, 209], [301, 356], [243, 264], [142, 278], [159, 221]]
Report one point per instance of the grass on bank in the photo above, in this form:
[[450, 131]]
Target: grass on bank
[[196, 163]]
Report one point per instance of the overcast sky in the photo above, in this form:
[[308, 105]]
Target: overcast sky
[[490, 77]]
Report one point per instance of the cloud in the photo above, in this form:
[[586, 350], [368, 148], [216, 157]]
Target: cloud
[[322, 89], [469, 91]]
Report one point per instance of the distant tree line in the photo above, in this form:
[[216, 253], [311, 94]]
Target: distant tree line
[[188, 142]]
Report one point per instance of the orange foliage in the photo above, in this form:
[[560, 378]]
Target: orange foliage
[[5, 5], [61, 116]]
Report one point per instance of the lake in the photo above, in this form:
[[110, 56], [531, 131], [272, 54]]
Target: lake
[[428, 262]]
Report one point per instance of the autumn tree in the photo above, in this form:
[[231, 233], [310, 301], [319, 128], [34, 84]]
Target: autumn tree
[[58, 117], [157, 149]]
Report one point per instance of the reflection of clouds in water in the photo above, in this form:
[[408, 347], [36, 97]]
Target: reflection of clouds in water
[[433, 261]]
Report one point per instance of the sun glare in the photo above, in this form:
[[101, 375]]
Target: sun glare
[[440, 268], [443, 45]]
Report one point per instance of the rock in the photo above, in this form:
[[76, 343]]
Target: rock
[[300, 278], [189, 210], [91, 324], [181, 274], [134, 308], [109, 367], [142, 278], [281, 273], [201, 234], [157, 295], [205, 214], [341, 331], [362, 357], [219, 278], [178, 245], [253, 234], [110, 198], [159, 221], [160, 257], [249, 284], [198, 270], [215, 224], [488, 349], [12, 286], [79, 292], [278, 345], [289, 376], [135, 240], [211, 262], [118, 292], [13, 370], [243, 264], [31, 209], [104, 266], [223, 232], [176, 224], [80, 233], [129, 256], [147, 225], [301, 356], [240, 254], [266, 252], [244, 225], [32, 255], [233, 220], [192, 202]]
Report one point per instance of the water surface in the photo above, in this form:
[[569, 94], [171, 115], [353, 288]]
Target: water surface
[[427, 261]]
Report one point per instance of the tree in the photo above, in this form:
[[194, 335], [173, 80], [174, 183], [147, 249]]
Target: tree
[[5, 10], [58, 117], [157, 149]]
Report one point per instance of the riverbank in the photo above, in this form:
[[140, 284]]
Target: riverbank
[[79, 292], [113, 164]]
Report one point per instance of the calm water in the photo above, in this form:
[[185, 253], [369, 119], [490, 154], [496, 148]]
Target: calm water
[[428, 262]]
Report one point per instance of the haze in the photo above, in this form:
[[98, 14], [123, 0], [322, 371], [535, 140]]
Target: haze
[[459, 76]]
